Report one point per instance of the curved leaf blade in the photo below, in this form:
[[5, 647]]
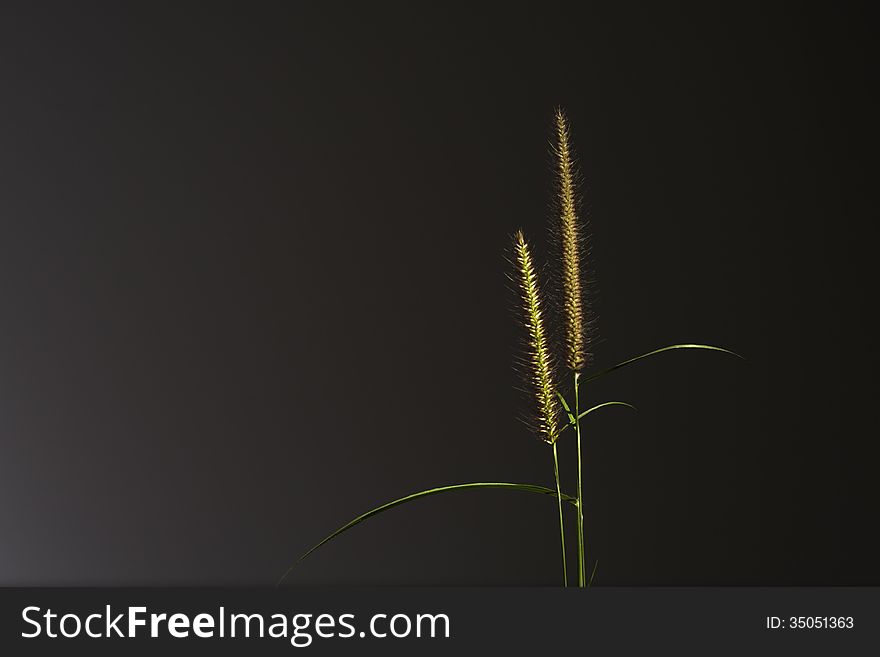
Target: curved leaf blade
[[603, 405], [595, 408], [566, 407], [593, 377], [542, 490]]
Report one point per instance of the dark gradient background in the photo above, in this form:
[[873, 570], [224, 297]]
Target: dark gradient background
[[252, 283]]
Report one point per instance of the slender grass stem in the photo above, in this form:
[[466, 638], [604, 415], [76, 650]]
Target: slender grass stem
[[580, 490], [561, 522]]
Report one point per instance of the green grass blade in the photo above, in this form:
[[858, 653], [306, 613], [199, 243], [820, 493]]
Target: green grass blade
[[567, 408], [595, 376], [603, 405], [595, 408], [542, 490]]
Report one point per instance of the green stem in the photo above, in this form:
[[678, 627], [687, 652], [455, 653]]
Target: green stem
[[580, 490], [561, 523]]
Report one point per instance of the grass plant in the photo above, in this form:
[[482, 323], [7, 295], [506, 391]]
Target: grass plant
[[550, 411]]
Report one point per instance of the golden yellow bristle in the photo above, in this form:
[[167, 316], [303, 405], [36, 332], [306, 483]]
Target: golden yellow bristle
[[539, 366], [572, 293]]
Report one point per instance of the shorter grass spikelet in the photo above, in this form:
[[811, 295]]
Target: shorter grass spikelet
[[537, 361]]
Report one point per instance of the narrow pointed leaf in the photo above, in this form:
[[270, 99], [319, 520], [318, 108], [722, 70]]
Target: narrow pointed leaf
[[595, 376], [603, 405], [595, 408], [595, 565], [530, 488], [566, 407]]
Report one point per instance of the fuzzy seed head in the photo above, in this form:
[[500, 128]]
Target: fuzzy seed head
[[538, 360], [572, 292]]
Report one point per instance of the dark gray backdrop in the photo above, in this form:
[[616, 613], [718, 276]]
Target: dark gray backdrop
[[252, 283]]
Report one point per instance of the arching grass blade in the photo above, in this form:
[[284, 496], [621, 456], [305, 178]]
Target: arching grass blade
[[595, 408], [593, 377], [529, 488]]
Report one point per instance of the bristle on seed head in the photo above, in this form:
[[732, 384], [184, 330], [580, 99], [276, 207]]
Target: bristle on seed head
[[571, 240], [537, 361]]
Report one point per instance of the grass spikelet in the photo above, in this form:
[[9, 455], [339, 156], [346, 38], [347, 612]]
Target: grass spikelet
[[538, 361], [571, 240]]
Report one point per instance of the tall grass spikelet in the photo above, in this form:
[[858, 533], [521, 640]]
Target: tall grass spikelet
[[571, 240], [538, 360]]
